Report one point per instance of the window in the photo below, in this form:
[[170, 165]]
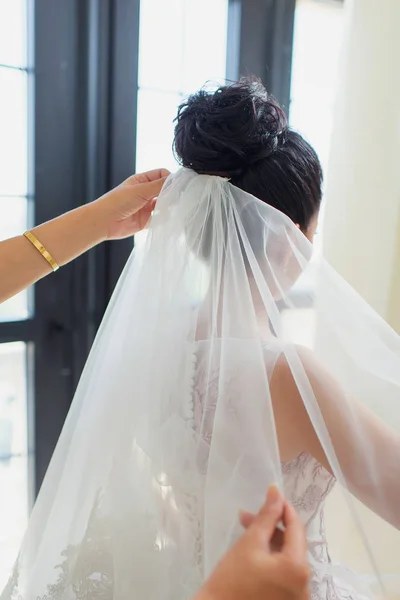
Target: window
[[318, 34], [183, 64], [179, 51], [15, 217], [14, 185]]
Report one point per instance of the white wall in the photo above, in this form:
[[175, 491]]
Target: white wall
[[362, 221]]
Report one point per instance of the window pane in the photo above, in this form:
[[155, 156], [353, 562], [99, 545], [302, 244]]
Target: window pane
[[13, 221], [173, 59], [16, 308], [14, 480], [13, 32], [172, 52], [156, 112], [13, 216], [318, 25], [161, 44], [14, 130], [204, 61]]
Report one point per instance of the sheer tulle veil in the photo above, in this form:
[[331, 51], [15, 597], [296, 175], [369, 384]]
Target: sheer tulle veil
[[174, 426]]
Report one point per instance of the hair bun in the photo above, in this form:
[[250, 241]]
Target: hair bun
[[226, 131]]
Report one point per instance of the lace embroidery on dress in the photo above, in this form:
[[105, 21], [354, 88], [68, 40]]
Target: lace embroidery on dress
[[86, 569], [190, 503], [199, 413], [11, 589], [307, 485]]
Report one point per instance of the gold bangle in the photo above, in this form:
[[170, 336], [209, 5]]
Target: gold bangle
[[46, 255]]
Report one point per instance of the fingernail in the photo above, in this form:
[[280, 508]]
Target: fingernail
[[273, 495]]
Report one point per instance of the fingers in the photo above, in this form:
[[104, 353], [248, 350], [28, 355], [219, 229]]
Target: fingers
[[277, 534], [274, 498], [294, 536], [162, 174], [292, 541], [288, 535], [276, 543], [264, 524], [149, 176], [246, 519], [148, 191]]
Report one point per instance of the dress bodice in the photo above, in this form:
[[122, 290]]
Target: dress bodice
[[306, 482], [307, 485]]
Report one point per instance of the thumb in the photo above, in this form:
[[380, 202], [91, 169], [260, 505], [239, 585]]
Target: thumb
[[274, 501], [265, 523]]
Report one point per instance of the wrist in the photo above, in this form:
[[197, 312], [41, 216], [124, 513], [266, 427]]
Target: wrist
[[95, 219]]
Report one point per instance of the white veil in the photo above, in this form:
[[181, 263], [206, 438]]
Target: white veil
[[199, 366]]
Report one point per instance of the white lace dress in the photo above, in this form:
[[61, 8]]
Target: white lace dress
[[307, 485]]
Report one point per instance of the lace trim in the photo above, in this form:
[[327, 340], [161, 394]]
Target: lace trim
[[86, 569], [193, 501]]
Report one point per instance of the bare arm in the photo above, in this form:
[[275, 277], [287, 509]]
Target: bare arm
[[368, 451], [65, 238], [122, 212]]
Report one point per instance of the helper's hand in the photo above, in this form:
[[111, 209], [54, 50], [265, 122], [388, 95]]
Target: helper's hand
[[266, 563], [126, 209]]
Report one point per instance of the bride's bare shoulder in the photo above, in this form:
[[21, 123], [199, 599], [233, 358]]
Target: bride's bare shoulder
[[291, 359], [291, 417]]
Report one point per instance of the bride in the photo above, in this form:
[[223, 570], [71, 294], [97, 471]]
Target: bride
[[202, 389]]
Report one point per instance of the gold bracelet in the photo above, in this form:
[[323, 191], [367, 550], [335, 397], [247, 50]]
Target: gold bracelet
[[46, 255]]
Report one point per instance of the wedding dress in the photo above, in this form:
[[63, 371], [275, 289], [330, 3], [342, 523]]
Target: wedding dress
[[173, 426], [305, 482]]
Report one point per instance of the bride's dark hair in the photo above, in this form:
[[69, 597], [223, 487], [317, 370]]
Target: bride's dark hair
[[241, 132]]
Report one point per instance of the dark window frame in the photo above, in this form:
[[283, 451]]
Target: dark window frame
[[260, 42], [84, 144]]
